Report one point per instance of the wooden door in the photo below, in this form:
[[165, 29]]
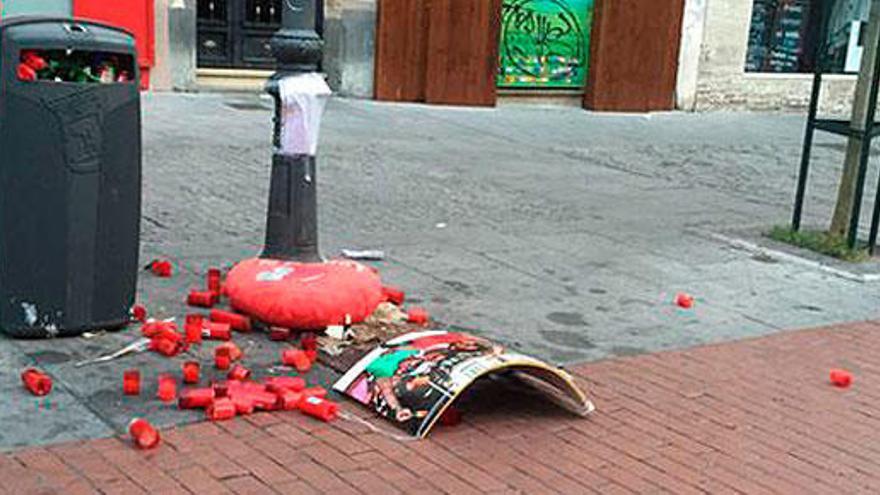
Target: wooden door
[[634, 55], [437, 51], [237, 33], [462, 58], [401, 50]]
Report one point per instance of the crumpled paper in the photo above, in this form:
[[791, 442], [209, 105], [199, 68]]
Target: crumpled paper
[[303, 99]]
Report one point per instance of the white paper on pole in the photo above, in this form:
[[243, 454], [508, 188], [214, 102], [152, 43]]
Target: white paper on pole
[[303, 98]]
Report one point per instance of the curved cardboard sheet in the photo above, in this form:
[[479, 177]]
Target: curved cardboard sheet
[[412, 379]]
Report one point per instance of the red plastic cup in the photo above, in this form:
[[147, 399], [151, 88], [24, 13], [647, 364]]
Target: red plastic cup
[[418, 316], [36, 382], [131, 382], [214, 281], [393, 294], [167, 389], [841, 378], [278, 383], [238, 322], [221, 409], [684, 301], [139, 313], [288, 400], [201, 299], [217, 331], [320, 408], [196, 398], [222, 361], [239, 372], [193, 328], [279, 334], [296, 358], [161, 268], [243, 404], [308, 342], [143, 434], [191, 372]]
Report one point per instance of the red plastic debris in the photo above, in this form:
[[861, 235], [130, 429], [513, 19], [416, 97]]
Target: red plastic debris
[[215, 281], [450, 417], [131, 382], [308, 342], [243, 404], [296, 358], [139, 313], [315, 392], [34, 61], [841, 378], [235, 353], [201, 299], [193, 327], [26, 72], [221, 389], [239, 372], [196, 398], [277, 384], [261, 399], [217, 331], [683, 300], [167, 390], [36, 382], [191, 371], [279, 334], [288, 400], [161, 268], [221, 409], [166, 346], [143, 434], [418, 316], [320, 408], [238, 322], [393, 294], [152, 329], [222, 360]]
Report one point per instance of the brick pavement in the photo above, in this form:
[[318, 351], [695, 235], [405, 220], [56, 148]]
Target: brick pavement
[[755, 416]]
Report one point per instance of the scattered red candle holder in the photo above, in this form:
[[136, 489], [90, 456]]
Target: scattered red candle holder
[[36, 382], [144, 435], [298, 359], [193, 327], [131, 382], [320, 408], [167, 389], [191, 371]]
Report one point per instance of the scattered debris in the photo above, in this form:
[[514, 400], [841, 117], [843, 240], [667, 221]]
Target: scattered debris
[[139, 313], [841, 378], [298, 359], [131, 382], [167, 388], [684, 301], [221, 409], [364, 254], [239, 372], [237, 321], [279, 334], [36, 382], [337, 332], [201, 299], [320, 408], [214, 281], [161, 268], [139, 345], [417, 316], [222, 360], [145, 436], [196, 398], [235, 353], [191, 371], [217, 331], [441, 225], [193, 327], [393, 295]]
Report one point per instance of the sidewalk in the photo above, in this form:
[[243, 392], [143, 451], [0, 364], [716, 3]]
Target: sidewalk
[[753, 416]]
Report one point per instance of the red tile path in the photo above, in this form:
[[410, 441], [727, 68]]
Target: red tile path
[[755, 416]]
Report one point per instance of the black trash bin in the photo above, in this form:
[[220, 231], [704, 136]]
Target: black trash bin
[[70, 176]]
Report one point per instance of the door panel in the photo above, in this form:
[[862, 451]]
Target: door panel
[[237, 33], [634, 55], [401, 50]]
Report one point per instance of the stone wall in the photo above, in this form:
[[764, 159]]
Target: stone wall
[[349, 36], [721, 78]]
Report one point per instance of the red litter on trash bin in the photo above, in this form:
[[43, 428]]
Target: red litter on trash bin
[[238, 322], [684, 301], [193, 327], [191, 371], [296, 358], [26, 73], [161, 268], [418, 316], [239, 372], [841, 378], [201, 299], [221, 409], [320, 408], [393, 294], [36, 382], [167, 389], [217, 331], [214, 281], [131, 382], [143, 434]]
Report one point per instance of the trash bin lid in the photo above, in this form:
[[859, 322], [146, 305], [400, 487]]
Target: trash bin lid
[[64, 33]]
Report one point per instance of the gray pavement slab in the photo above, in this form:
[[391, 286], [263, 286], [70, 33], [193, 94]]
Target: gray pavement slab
[[562, 233]]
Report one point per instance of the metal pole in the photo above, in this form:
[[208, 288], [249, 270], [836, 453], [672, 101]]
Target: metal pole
[[292, 217]]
